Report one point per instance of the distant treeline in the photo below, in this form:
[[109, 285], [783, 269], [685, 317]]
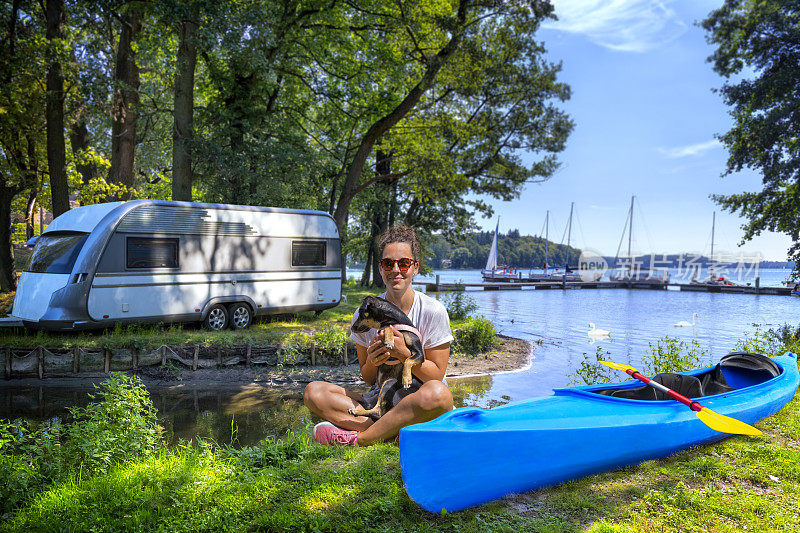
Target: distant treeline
[[515, 250], [525, 252]]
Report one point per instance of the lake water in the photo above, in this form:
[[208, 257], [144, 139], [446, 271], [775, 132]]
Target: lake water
[[635, 318], [557, 318]]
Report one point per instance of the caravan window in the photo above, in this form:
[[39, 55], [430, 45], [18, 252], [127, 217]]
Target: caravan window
[[142, 252], [308, 253], [55, 253]]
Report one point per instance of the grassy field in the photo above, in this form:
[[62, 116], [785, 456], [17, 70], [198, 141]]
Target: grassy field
[[739, 484], [293, 484]]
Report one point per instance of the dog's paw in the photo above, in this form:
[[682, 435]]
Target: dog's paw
[[406, 382], [388, 338]]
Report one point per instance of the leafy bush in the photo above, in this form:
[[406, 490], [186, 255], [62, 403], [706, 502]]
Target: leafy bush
[[122, 424], [30, 459], [330, 341], [458, 303], [592, 372], [295, 344], [770, 342], [475, 336], [670, 354]]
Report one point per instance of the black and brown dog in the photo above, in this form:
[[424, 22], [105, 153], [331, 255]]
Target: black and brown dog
[[392, 382]]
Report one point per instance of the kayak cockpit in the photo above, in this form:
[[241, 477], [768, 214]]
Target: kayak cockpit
[[736, 370]]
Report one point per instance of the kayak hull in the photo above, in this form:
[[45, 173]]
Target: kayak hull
[[470, 456]]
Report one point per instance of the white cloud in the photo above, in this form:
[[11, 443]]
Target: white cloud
[[689, 150], [624, 25]]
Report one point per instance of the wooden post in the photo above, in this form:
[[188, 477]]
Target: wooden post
[[313, 354], [107, 354], [219, 357], [135, 358], [758, 284], [76, 359], [40, 361], [437, 282], [247, 354], [163, 355], [8, 362], [195, 356]]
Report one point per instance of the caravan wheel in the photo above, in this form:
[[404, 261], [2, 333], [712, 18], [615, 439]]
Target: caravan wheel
[[240, 314], [217, 318]]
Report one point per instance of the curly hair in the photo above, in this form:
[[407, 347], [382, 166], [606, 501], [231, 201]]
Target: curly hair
[[401, 233]]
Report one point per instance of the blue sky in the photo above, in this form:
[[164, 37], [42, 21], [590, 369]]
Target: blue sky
[[646, 119]]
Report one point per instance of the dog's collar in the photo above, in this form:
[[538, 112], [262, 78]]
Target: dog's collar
[[410, 329]]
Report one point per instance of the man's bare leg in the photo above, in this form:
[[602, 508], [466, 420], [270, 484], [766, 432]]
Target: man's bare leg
[[331, 402], [431, 400]]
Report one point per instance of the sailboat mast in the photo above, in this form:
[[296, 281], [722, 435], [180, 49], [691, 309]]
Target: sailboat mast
[[546, 238], [713, 227], [630, 235], [569, 230]]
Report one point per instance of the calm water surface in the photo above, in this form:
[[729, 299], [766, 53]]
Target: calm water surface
[[558, 318]]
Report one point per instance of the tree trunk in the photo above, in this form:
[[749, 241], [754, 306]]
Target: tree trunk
[[183, 129], [55, 12], [30, 212], [8, 278], [126, 102], [367, 268], [378, 225], [79, 143]]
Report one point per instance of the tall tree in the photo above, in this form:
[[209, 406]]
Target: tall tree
[[758, 52], [125, 107], [183, 129], [21, 123], [55, 13]]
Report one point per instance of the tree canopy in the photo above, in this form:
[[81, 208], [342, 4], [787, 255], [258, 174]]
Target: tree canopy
[[758, 53], [375, 111]]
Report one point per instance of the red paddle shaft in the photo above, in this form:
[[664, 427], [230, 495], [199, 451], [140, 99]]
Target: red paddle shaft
[[693, 405]]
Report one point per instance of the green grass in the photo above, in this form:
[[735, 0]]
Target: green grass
[[741, 483], [269, 331], [152, 336]]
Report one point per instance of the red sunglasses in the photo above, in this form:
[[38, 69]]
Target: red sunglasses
[[403, 264]]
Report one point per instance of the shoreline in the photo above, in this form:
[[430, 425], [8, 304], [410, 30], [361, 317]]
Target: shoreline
[[510, 355]]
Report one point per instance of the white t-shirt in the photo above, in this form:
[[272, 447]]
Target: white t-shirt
[[427, 314]]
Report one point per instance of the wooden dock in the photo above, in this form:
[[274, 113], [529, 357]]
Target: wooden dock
[[636, 285]]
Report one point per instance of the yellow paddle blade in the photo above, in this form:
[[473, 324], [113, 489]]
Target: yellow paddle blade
[[725, 424], [618, 366]]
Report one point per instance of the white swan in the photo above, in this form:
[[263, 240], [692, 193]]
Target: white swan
[[685, 324], [594, 332]]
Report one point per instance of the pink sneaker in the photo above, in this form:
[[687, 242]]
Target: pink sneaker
[[327, 433]]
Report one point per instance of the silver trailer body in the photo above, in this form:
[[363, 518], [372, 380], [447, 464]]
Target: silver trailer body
[[153, 261]]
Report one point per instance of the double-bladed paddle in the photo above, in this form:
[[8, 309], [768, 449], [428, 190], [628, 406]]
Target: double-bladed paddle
[[716, 421]]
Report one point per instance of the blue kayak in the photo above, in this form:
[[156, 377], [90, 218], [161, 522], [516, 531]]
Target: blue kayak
[[470, 456]]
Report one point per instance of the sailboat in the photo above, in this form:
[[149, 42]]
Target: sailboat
[[555, 273], [565, 273], [713, 279], [630, 273], [493, 271]]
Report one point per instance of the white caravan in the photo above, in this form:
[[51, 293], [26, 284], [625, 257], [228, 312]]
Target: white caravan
[[153, 261]]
